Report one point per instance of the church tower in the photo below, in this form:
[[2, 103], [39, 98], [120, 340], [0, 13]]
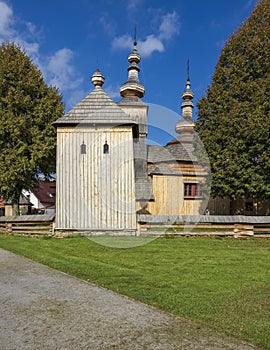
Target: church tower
[[95, 167], [185, 127], [175, 170], [132, 91]]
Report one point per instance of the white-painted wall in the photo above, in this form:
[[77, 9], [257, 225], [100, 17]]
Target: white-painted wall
[[33, 199]]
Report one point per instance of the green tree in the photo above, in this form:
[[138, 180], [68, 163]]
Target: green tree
[[234, 118], [27, 109]]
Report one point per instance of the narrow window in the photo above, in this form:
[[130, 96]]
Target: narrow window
[[105, 148], [83, 148]]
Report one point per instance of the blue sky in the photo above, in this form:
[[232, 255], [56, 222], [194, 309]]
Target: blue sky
[[69, 39]]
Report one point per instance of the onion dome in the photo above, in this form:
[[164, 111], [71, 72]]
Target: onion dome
[[97, 78], [186, 124], [132, 87]]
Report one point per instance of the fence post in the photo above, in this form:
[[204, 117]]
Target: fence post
[[52, 228], [243, 230], [8, 227]]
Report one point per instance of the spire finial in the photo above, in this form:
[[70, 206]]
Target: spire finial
[[186, 125], [135, 35], [188, 77], [132, 87]]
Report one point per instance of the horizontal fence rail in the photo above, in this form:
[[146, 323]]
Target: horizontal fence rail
[[28, 224], [191, 219], [192, 225], [219, 225]]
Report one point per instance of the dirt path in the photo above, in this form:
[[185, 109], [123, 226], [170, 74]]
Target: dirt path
[[45, 309]]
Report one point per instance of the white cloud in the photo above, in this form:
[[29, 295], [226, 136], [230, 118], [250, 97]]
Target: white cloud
[[6, 16], [31, 48], [151, 44], [122, 42], [61, 72], [18, 31], [31, 28], [168, 28], [146, 47], [106, 22], [58, 69]]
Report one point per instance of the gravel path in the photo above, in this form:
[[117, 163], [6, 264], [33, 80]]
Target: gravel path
[[42, 308]]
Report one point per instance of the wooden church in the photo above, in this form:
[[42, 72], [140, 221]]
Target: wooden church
[[107, 174]]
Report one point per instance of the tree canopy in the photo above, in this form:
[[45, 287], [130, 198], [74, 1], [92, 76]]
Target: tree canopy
[[27, 109], [234, 118]]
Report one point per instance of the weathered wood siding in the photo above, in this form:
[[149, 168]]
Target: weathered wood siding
[[169, 197], [95, 191], [219, 206], [225, 206]]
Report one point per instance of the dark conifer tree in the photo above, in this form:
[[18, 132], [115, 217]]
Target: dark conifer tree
[[234, 117]]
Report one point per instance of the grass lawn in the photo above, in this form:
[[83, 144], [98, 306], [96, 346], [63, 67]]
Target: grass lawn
[[223, 283]]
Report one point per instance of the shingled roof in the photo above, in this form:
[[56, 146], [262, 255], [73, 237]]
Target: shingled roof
[[134, 101], [182, 151], [173, 151], [96, 108], [144, 189]]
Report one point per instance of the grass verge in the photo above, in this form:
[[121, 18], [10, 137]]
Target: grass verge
[[223, 283]]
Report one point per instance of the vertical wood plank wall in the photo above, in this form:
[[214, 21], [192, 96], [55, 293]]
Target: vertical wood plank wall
[[95, 191], [169, 197]]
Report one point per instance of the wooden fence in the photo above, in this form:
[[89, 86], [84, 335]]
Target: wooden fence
[[219, 225], [28, 224], [223, 225]]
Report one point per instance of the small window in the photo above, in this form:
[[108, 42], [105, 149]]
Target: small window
[[192, 190], [83, 148], [105, 148]]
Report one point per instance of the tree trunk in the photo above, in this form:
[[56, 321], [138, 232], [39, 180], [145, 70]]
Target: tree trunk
[[15, 209], [16, 206]]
